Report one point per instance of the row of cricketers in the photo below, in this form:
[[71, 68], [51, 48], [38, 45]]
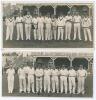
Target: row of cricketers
[[48, 80], [49, 28]]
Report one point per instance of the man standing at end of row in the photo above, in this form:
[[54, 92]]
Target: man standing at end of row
[[86, 23], [10, 78], [10, 23], [81, 76]]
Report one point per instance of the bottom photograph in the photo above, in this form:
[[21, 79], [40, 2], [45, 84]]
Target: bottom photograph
[[47, 74]]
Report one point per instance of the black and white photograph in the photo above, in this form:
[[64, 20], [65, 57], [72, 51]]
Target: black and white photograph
[[47, 74], [48, 25]]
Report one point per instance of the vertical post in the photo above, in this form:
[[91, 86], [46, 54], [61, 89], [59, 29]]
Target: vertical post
[[70, 6], [34, 60], [71, 59], [53, 59], [89, 63], [90, 6], [38, 10], [54, 10]]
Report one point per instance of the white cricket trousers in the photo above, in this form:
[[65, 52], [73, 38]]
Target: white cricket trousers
[[10, 84], [55, 84], [35, 34], [38, 84], [68, 28], [77, 31], [48, 33], [9, 32], [72, 85], [30, 83], [47, 83], [81, 83], [40, 32], [28, 31], [60, 33], [22, 84], [54, 34], [87, 32], [19, 31], [63, 84]]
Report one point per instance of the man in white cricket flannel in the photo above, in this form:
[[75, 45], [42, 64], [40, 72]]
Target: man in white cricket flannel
[[22, 79], [81, 76], [47, 74], [54, 27], [60, 25], [77, 25], [55, 80], [68, 26], [35, 24], [48, 32], [19, 26], [63, 79], [40, 20], [31, 73], [72, 77], [10, 23], [28, 22], [39, 77], [10, 78], [86, 25]]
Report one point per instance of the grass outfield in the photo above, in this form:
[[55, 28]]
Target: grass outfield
[[44, 44], [88, 86]]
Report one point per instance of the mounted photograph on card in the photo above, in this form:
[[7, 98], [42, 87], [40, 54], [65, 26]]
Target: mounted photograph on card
[[48, 25], [47, 74]]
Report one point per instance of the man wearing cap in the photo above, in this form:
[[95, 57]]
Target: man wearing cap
[[40, 20], [10, 78], [86, 25], [47, 74], [48, 32], [19, 25], [77, 26], [68, 26], [22, 79], [10, 23], [31, 79], [39, 77], [55, 80], [81, 76], [63, 79], [54, 27], [35, 24], [72, 77], [28, 22], [60, 25]]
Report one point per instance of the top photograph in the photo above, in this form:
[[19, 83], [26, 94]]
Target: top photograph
[[48, 25]]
